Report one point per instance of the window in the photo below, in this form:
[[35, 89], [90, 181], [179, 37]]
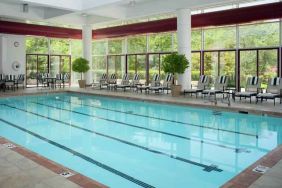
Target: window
[[60, 46], [99, 47], [220, 38], [259, 35], [160, 42], [36, 45], [196, 39], [137, 44], [115, 46]]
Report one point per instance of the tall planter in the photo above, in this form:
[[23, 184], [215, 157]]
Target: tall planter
[[81, 66], [176, 64]]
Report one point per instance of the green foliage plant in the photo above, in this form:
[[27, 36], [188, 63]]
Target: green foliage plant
[[80, 65], [175, 63]]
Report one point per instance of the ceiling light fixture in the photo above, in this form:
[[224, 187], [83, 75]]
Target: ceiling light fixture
[[84, 15]]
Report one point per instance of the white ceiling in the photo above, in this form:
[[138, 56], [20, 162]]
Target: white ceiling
[[81, 12]]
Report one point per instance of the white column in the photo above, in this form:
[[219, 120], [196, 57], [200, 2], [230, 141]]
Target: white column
[[87, 50], [184, 44]]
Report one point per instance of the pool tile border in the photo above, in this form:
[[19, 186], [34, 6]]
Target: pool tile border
[[248, 176], [77, 178]]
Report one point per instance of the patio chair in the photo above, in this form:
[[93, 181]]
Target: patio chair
[[112, 81], [155, 84], [135, 81], [2, 82], [219, 87], [124, 83], [41, 79], [10, 82], [166, 85], [66, 78], [252, 89], [273, 90], [59, 79], [203, 84], [20, 80]]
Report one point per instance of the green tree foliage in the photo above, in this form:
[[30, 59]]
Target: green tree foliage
[[80, 65], [60, 46], [36, 45], [137, 44], [160, 42]]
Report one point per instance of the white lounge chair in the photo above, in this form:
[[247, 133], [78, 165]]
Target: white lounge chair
[[124, 83], [203, 84], [252, 88], [220, 86], [273, 90], [166, 85]]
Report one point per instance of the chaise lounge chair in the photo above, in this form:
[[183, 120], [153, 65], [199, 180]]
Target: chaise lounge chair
[[124, 83], [166, 85], [219, 87], [203, 83], [112, 81], [252, 89], [273, 90]]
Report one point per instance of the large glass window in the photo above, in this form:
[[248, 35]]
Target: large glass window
[[99, 67], [259, 35], [99, 47], [115, 46], [195, 66], [196, 39], [160, 42], [248, 66], [220, 38], [268, 61], [116, 65], [211, 64], [227, 66], [137, 44], [36, 45], [60, 46]]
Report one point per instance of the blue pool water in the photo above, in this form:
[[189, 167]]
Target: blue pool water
[[127, 144]]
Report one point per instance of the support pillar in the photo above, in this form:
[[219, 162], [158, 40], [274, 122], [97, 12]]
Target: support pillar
[[87, 50], [184, 44]]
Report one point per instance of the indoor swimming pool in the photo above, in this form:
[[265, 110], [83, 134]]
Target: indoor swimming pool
[[125, 143]]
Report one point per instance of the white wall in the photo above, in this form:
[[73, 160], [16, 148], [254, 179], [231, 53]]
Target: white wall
[[9, 54]]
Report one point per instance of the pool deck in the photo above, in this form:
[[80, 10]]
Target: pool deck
[[21, 168], [42, 172]]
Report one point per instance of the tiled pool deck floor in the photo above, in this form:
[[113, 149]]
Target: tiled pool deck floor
[[40, 172]]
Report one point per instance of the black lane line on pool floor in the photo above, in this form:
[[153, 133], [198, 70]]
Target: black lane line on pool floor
[[207, 168], [237, 150], [97, 163], [162, 119]]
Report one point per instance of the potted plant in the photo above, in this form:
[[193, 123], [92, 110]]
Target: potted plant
[[176, 64], [81, 66]]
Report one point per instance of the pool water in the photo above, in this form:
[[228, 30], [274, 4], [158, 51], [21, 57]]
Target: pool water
[[127, 144]]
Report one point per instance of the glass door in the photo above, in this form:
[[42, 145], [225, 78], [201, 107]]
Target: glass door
[[35, 64]]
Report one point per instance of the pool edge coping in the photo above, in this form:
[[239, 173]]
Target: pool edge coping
[[247, 177], [77, 178]]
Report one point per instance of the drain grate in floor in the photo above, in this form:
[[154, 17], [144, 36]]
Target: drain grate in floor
[[261, 169], [66, 174], [9, 145]]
